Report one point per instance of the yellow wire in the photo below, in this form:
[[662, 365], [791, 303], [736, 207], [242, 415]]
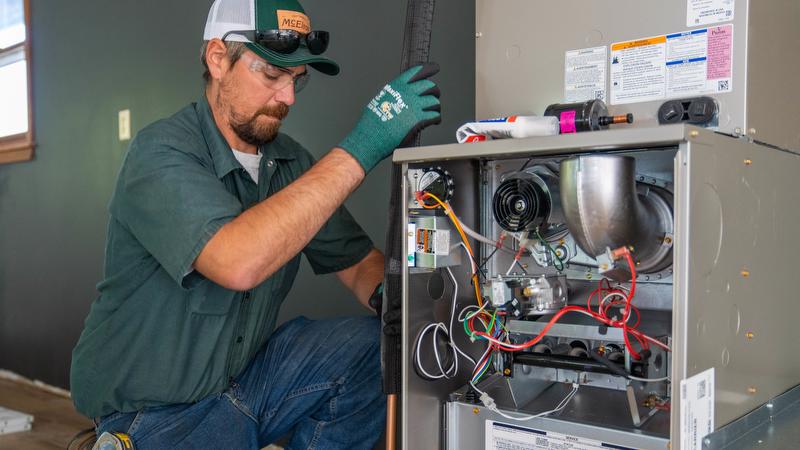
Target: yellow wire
[[452, 215]]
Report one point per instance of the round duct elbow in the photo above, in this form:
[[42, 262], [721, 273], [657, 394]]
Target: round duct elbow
[[604, 208]]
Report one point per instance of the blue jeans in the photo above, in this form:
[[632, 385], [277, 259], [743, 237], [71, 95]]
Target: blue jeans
[[320, 380]]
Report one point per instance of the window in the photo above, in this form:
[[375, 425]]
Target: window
[[16, 127]]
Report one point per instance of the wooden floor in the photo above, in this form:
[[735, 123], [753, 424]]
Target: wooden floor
[[55, 420]]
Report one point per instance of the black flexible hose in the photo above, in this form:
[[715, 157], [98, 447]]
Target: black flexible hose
[[416, 50]]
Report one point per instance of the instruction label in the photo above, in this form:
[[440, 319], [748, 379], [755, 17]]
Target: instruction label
[[585, 74], [705, 12], [433, 242], [697, 409], [674, 65], [502, 436]]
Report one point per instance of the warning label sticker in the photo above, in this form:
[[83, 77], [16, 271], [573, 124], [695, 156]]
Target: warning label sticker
[[502, 436], [585, 74], [697, 409], [675, 65], [638, 70], [705, 12]]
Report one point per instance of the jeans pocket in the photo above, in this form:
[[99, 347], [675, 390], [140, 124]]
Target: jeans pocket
[[234, 395]]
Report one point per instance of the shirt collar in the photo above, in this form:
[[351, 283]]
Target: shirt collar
[[221, 153]]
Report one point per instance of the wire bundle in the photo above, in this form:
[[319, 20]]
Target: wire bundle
[[447, 332], [497, 336], [601, 316]]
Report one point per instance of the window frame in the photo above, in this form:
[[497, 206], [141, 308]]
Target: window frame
[[19, 147]]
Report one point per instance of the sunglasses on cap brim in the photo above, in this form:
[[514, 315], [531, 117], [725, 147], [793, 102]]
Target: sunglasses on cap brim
[[286, 41]]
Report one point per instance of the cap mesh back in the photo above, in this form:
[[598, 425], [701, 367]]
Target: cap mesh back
[[236, 11], [229, 15]]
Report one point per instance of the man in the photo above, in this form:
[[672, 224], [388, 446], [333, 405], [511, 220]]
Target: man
[[211, 211]]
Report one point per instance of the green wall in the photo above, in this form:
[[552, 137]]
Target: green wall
[[92, 58]]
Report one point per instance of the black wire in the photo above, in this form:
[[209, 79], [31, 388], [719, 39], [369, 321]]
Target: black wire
[[617, 369], [480, 271], [525, 166], [485, 260]]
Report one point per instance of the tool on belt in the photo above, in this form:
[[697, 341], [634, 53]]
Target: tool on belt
[[113, 441]]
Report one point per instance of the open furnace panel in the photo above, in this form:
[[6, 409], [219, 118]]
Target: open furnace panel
[[551, 299], [550, 227]]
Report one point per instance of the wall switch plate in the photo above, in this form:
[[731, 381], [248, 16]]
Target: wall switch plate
[[125, 125]]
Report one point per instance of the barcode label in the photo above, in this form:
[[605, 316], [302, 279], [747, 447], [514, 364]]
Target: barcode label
[[701, 389], [697, 409]]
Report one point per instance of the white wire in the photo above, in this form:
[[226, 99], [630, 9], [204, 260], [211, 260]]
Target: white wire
[[475, 370], [622, 288], [489, 403], [453, 313], [513, 263], [470, 232], [452, 369], [479, 237], [523, 243], [613, 294], [657, 342], [479, 309], [443, 373], [563, 404], [648, 380], [453, 365], [471, 261]]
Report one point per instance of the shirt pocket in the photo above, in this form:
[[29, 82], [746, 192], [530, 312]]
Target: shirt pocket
[[208, 298]]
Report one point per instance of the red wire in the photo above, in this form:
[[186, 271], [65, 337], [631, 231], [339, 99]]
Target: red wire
[[604, 287]]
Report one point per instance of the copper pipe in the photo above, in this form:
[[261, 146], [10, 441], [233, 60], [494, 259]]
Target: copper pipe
[[623, 118], [391, 426]]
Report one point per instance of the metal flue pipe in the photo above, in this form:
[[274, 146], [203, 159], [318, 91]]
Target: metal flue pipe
[[605, 207]]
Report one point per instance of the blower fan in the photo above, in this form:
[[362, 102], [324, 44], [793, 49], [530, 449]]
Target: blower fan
[[521, 202]]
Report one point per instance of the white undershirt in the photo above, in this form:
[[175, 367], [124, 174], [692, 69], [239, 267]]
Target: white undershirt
[[250, 162]]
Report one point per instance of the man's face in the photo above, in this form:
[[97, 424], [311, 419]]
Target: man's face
[[256, 97]]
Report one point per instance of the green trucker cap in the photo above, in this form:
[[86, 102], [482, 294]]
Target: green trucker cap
[[226, 16]]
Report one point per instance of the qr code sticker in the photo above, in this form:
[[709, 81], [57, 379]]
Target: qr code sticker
[[701, 389], [724, 85]]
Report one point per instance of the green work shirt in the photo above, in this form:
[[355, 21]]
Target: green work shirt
[[160, 333]]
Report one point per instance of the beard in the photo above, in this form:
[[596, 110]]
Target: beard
[[256, 129]]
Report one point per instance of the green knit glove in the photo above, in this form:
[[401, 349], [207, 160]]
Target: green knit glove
[[401, 109]]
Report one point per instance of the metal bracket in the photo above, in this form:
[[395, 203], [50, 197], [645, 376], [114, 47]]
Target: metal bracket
[[633, 405]]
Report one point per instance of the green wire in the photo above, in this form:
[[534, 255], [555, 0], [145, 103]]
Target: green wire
[[488, 363], [555, 255], [503, 326], [466, 329]]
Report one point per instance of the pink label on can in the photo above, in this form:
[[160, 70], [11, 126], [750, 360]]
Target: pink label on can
[[567, 121]]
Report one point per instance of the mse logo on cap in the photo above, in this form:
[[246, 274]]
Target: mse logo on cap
[[293, 20]]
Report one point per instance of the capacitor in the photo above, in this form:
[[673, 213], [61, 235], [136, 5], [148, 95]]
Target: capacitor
[[591, 115]]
